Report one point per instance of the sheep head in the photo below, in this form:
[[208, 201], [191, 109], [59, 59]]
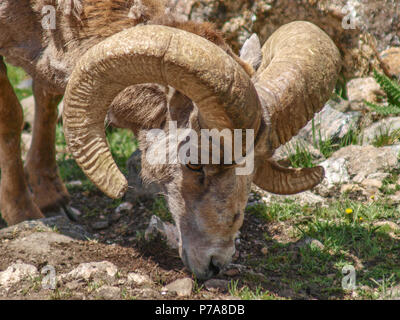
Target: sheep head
[[297, 74]]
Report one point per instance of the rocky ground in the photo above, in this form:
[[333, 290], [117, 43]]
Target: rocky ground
[[290, 247]]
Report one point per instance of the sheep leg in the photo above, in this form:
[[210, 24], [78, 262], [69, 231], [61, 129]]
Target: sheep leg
[[16, 203], [41, 169]]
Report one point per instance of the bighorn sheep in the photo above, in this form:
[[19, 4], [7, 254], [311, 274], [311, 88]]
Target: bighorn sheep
[[214, 90]]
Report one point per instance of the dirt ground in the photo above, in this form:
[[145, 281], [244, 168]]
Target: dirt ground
[[122, 243]]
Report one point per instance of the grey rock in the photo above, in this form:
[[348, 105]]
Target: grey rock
[[329, 124], [25, 84], [360, 89], [393, 226], [165, 229], [100, 225], [182, 287], [126, 206], [310, 242], [385, 126], [28, 106], [92, 270], [73, 285], [39, 243], [26, 140], [139, 279], [217, 284], [371, 183], [284, 151], [108, 292], [336, 172], [339, 104], [137, 189], [391, 57], [362, 161], [306, 197], [59, 223], [16, 273]]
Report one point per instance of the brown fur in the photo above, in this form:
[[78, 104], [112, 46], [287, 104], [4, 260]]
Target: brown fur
[[49, 57]]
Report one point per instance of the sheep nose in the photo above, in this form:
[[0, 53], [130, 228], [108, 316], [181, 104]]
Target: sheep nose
[[214, 268]]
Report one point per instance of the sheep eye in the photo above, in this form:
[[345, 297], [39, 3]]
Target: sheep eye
[[195, 167]]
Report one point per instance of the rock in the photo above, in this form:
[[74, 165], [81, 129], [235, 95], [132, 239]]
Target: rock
[[217, 284], [74, 183], [137, 189], [303, 198], [350, 188], [393, 226], [73, 285], [370, 20], [361, 89], [371, 183], [329, 124], [60, 223], [290, 148], [100, 225], [114, 217], [16, 273], [126, 206], [93, 270], [335, 172], [232, 272], [385, 126], [394, 293], [182, 287], [378, 176], [39, 243], [25, 84], [310, 242], [339, 104], [165, 229], [139, 279], [362, 161], [391, 57], [108, 292], [146, 293], [26, 140], [395, 198], [28, 106]]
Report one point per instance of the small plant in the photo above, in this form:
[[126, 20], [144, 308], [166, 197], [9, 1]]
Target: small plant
[[386, 137], [330, 145], [392, 90], [16, 76], [160, 209], [300, 156]]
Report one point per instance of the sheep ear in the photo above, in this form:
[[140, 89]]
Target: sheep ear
[[274, 178], [251, 51]]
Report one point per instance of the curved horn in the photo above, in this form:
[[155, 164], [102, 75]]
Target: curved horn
[[274, 178], [222, 91], [297, 75]]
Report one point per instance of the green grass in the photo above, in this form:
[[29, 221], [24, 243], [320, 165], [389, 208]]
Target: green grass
[[16, 76], [392, 91], [348, 238], [328, 146], [300, 156], [386, 137], [122, 145], [160, 209]]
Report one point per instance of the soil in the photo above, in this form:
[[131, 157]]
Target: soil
[[122, 244]]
